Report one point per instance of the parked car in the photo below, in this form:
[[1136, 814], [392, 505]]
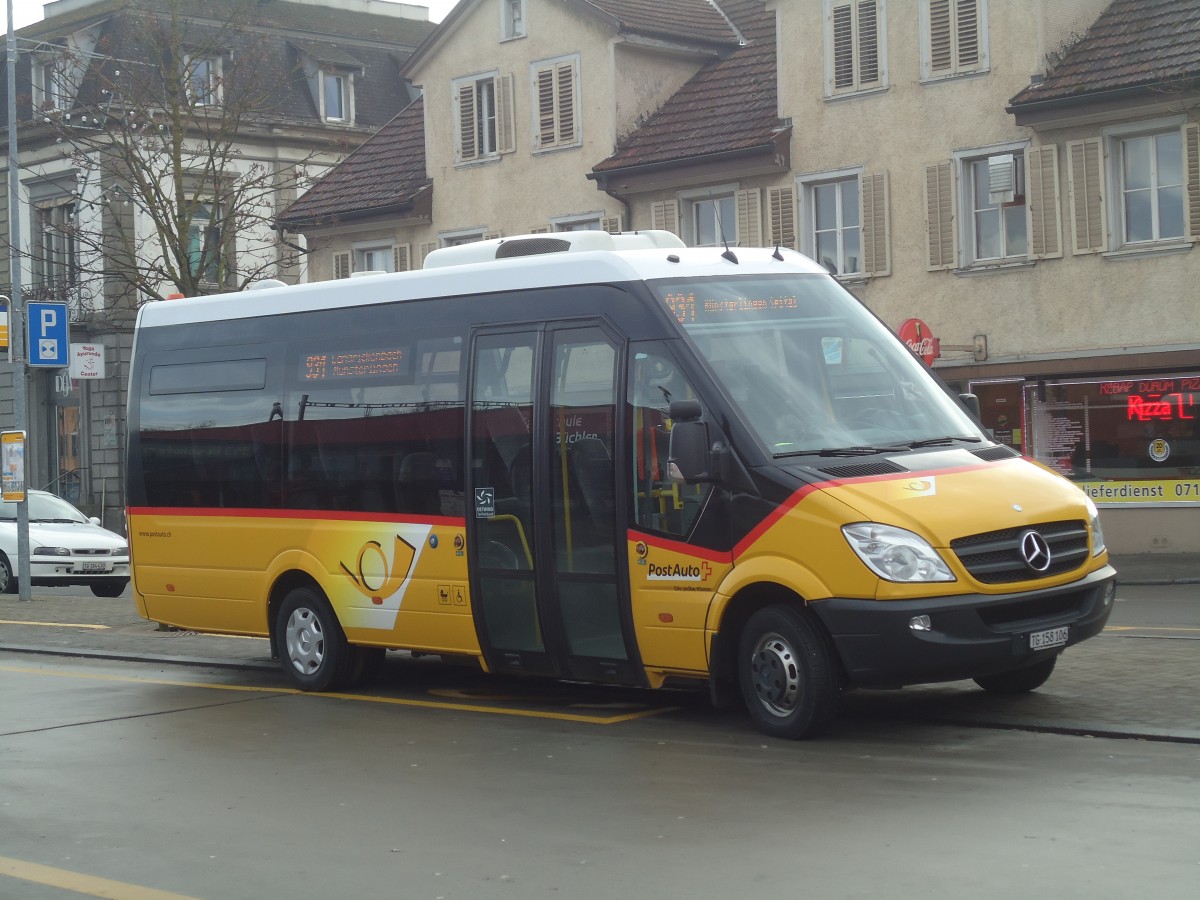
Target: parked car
[[65, 547]]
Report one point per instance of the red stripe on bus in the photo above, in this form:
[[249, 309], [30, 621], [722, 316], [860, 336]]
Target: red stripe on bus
[[311, 514]]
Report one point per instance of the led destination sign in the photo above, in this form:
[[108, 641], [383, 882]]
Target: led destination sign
[[363, 364], [688, 310]]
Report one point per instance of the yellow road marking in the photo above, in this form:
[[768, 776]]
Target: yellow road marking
[[53, 624], [91, 885], [360, 698]]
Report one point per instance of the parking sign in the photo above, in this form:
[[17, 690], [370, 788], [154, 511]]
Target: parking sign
[[47, 333]]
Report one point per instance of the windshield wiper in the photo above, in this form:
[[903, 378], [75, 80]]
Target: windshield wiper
[[839, 451], [944, 441], [57, 521]]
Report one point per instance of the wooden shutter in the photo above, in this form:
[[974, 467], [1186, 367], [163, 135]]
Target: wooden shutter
[[1191, 169], [506, 128], [425, 249], [749, 217], [664, 216], [876, 238], [966, 33], [843, 47], [341, 265], [868, 43], [565, 90], [1042, 204], [1085, 176], [941, 40], [545, 108], [468, 146], [541, 230], [556, 114], [401, 254], [939, 215], [612, 224], [781, 213]]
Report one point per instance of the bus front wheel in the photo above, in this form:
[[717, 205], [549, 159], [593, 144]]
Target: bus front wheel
[[788, 673], [310, 642]]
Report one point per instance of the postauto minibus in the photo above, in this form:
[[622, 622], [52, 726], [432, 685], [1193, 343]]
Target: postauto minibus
[[593, 457]]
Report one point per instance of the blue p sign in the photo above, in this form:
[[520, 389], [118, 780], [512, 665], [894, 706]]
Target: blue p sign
[[47, 331]]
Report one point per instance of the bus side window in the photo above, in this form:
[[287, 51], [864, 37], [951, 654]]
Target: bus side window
[[659, 504]]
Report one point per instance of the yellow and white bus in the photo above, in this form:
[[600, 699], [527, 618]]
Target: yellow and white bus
[[595, 457]]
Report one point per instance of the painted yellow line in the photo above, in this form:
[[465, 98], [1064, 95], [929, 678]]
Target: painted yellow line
[[53, 624], [360, 698], [91, 885]]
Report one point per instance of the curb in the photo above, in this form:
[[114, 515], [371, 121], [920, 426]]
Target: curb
[[131, 656]]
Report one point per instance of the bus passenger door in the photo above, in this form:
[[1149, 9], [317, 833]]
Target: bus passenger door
[[543, 535]]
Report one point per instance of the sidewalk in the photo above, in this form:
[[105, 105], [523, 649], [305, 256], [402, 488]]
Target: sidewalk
[[1157, 568]]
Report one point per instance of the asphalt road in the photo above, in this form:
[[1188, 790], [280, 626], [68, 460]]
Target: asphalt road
[[151, 780]]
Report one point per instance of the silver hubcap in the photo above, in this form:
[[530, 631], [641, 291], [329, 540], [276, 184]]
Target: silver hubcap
[[305, 641], [776, 675]]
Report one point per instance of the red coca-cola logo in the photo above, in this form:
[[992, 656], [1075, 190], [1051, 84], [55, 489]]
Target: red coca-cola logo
[[918, 337]]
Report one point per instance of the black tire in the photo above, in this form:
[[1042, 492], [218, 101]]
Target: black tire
[[1018, 681], [109, 588], [788, 672], [310, 643], [8, 581]]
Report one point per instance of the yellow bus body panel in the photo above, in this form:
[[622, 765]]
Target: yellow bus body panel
[[391, 583]]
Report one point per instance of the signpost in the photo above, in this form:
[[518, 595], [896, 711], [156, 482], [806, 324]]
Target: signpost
[[47, 335]]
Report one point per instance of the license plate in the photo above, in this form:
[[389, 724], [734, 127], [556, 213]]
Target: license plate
[[1051, 637], [93, 567]]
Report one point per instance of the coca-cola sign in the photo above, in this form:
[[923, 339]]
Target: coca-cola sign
[[918, 337]]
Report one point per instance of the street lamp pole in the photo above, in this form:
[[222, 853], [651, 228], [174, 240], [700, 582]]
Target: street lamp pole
[[16, 313]]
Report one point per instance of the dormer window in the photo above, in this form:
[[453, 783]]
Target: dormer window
[[512, 19], [48, 85], [202, 80], [335, 97]]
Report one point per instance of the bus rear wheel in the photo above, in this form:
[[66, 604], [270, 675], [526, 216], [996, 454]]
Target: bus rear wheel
[[788, 673], [311, 644]]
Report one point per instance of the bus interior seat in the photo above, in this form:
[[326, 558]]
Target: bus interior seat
[[417, 484]]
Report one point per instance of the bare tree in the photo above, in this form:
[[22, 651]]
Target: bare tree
[[181, 152]]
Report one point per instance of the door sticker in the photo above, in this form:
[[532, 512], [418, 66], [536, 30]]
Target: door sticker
[[485, 503]]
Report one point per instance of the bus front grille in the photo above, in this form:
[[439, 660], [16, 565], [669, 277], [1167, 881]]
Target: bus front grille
[[1014, 554]]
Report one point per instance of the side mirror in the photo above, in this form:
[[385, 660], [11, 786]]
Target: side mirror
[[971, 402], [688, 457]]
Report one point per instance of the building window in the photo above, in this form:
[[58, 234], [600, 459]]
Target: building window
[[457, 238], [556, 104], [476, 116], [579, 223], [953, 38], [831, 222], [855, 45], [381, 258], [57, 261], [994, 192], [337, 99], [205, 249], [48, 84], [712, 222], [512, 19], [202, 81], [1151, 187]]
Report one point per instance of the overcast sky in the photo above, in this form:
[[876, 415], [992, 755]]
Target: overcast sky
[[26, 12]]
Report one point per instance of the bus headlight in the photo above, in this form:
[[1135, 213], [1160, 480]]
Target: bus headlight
[[1097, 531], [895, 554]]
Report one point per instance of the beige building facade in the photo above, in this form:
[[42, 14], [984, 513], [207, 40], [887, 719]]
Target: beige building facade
[[970, 170]]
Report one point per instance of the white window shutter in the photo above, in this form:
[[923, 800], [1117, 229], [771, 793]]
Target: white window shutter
[[876, 235], [749, 217], [781, 211], [401, 254], [492, 235], [541, 230], [1042, 203], [468, 147], [1085, 162], [939, 215], [341, 265], [568, 121], [612, 224], [664, 216], [1191, 168], [506, 128], [425, 249], [941, 39]]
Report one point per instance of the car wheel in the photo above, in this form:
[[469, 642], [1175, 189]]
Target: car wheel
[[8, 581], [788, 673], [109, 588], [310, 643], [1018, 681]]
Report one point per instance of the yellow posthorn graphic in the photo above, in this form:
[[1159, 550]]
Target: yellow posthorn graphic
[[376, 578]]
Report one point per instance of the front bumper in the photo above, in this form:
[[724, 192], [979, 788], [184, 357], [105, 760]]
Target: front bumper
[[61, 571], [970, 635]]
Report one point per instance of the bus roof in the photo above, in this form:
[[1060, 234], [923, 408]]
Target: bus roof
[[519, 272]]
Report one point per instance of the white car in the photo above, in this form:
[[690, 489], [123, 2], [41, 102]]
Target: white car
[[65, 547]]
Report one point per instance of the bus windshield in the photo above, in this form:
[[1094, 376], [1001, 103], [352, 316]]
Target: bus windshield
[[810, 369]]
